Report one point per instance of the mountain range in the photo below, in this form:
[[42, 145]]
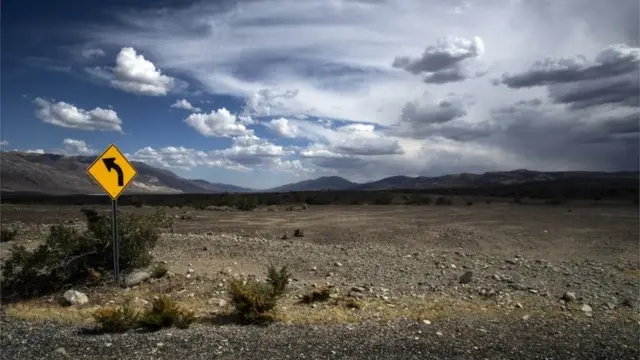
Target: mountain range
[[58, 174]]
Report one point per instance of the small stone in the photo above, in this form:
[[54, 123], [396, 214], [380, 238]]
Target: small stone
[[338, 264], [511, 261], [497, 277], [358, 289], [453, 266], [466, 277], [627, 302], [357, 295], [140, 303], [533, 291], [136, 278], [60, 351], [439, 333], [569, 296], [426, 322], [519, 306], [190, 271], [315, 268], [586, 308], [74, 297], [611, 306], [526, 317]]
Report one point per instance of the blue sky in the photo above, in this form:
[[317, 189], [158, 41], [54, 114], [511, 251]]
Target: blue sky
[[264, 92]]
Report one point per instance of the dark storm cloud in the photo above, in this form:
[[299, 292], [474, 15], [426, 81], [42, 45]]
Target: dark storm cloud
[[623, 90], [423, 118], [369, 147], [443, 62], [582, 139], [611, 78], [613, 61]]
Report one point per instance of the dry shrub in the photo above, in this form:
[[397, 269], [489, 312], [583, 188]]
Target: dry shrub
[[253, 300], [318, 295], [116, 319], [7, 234], [158, 271], [165, 312]]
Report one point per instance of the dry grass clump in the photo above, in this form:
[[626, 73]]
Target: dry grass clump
[[319, 295], [254, 300], [164, 312]]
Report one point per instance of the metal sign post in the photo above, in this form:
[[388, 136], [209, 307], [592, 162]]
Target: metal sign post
[[116, 244], [111, 162]]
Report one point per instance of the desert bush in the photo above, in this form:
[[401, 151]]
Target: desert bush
[[383, 200], [318, 295], [7, 234], [116, 319], [165, 312], [253, 299], [159, 270], [66, 255], [248, 203], [137, 202], [441, 200], [298, 233]]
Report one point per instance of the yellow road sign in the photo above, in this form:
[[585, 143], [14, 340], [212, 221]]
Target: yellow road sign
[[112, 171]]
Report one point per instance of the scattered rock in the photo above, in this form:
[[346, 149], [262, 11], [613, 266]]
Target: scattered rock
[[533, 291], [60, 351], [627, 303], [74, 297], [466, 277], [357, 295], [569, 297], [519, 306], [217, 302], [586, 308], [136, 278], [358, 289], [511, 261], [190, 271], [526, 317], [140, 303], [426, 322], [338, 264]]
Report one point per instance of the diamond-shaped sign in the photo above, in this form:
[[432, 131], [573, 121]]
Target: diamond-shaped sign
[[112, 171]]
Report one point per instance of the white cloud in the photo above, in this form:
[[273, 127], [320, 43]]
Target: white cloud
[[184, 104], [220, 123], [72, 147], [67, 115], [92, 53], [4, 143], [135, 74], [33, 151], [283, 127]]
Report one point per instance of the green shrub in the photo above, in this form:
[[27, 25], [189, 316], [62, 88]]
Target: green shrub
[[247, 203], [441, 200], [253, 299], [165, 312], [7, 234], [158, 271], [67, 255], [116, 319]]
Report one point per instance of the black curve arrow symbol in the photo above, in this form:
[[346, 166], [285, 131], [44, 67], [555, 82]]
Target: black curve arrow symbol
[[110, 163]]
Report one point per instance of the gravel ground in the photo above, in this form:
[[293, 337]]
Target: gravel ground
[[447, 339], [520, 261]]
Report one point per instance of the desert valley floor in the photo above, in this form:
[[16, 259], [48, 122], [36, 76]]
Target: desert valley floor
[[547, 282]]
